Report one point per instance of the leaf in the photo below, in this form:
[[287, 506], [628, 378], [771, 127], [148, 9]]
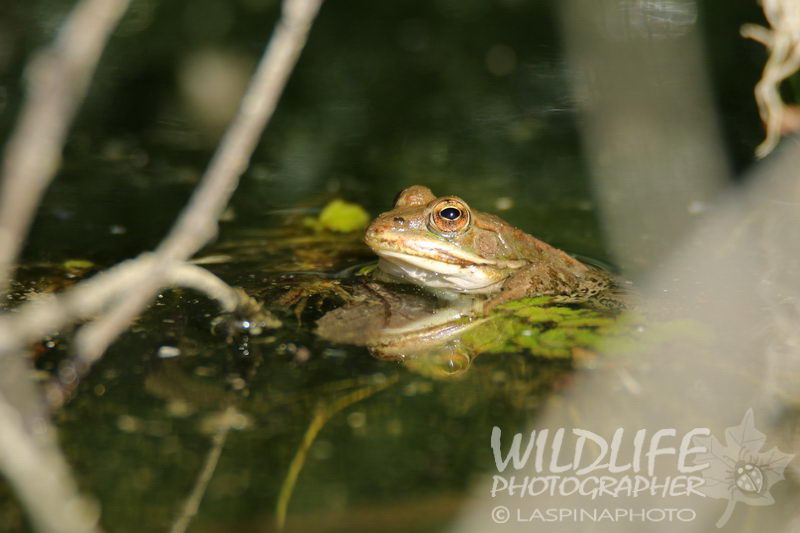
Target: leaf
[[745, 435], [739, 471], [339, 216], [718, 474], [77, 264]]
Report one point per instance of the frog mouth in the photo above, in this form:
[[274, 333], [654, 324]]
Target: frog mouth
[[445, 260], [439, 275], [440, 265], [429, 253]]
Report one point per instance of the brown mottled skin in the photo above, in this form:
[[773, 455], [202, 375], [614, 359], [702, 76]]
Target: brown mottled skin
[[477, 253]]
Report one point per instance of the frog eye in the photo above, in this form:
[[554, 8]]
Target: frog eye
[[450, 213], [449, 216]]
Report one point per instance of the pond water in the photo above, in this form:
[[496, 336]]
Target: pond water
[[467, 97]]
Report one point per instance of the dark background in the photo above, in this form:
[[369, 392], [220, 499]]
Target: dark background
[[386, 94]]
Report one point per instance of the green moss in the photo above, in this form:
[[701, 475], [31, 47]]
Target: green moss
[[553, 331]]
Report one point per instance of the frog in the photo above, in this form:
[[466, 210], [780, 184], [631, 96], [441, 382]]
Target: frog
[[442, 244]]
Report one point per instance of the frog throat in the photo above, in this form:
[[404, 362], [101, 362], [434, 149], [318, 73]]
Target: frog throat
[[440, 265]]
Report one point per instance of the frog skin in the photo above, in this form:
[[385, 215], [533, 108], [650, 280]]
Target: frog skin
[[441, 243]]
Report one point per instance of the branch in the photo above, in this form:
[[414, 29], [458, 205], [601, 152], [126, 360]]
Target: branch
[[783, 43], [41, 478], [57, 81], [129, 286], [197, 224], [94, 297], [38, 318]]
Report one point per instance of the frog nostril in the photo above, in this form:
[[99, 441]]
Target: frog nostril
[[400, 220]]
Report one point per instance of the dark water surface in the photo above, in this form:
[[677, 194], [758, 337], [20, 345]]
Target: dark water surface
[[468, 97]]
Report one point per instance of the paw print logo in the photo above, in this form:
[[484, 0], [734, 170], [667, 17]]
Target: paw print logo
[[739, 471]]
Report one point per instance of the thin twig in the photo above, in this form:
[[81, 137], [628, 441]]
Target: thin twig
[[91, 298], [149, 272], [38, 318], [86, 299], [197, 278], [92, 339], [783, 42], [197, 223], [57, 81]]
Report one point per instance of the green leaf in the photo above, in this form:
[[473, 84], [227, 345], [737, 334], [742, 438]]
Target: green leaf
[[343, 217], [77, 264]]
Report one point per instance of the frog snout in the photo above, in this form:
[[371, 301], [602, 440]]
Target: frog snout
[[374, 230], [379, 226]]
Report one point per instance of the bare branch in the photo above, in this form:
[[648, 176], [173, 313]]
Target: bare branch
[[103, 331], [57, 81], [197, 223], [783, 43], [36, 319], [138, 279], [201, 280], [94, 297], [41, 478]]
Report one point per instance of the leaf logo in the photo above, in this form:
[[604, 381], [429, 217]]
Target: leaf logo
[[740, 471]]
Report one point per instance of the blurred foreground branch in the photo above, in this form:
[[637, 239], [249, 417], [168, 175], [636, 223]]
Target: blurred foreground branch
[[732, 268], [783, 43], [57, 81], [648, 123], [39, 474], [116, 296], [197, 224], [113, 298], [58, 78]]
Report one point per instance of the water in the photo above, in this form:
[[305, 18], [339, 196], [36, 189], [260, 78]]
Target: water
[[467, 97]]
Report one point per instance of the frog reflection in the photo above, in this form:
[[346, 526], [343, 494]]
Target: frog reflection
[[442, 338], [411, 327]]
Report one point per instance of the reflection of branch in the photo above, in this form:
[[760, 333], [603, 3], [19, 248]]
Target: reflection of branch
[[783, 43], [192, 503], [323, 412], [57, 82]]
